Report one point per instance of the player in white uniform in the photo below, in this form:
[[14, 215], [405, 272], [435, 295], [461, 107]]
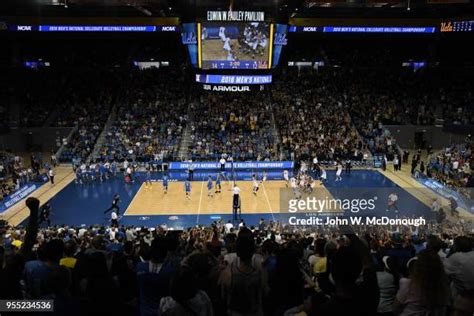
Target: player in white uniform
[[254, 44], [303, 167], [264, 177], [263, 43], [302, 181], [324, 175], [286, 177], [92, 169], [204, 33], [254, 185], [222, 33], [309, 184], [392, 202], [294, 186], [228, 49], [338, 171]]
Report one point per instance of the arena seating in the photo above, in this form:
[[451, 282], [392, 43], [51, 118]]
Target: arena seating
[[82, 92], [150, 119], [82, 142], [453, 166], [37, 95], [353, 95], [313, 119], [14, 173], [240, 126]]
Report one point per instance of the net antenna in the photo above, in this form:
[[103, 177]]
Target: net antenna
[[233, 170]]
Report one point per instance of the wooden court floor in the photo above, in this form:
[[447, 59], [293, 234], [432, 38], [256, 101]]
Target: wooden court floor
[[153, 201]]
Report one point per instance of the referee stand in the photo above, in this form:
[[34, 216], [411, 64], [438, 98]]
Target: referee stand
[[236, 201]]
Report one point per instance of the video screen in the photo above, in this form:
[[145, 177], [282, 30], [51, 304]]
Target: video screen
[[235, 45], [189, 38]]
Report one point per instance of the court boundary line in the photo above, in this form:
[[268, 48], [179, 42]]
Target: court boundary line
[[131, 202], [38, 197], [200, 201], [420, 190], [411, 187], [199, 206]]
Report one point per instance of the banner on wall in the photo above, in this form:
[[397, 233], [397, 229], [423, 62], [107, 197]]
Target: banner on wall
[[210, 165], [14, 198], [23, 192], [463, 200]]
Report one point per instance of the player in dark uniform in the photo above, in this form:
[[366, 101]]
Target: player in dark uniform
[[348, 166], [44, 214], [115, 205], [236, 207]]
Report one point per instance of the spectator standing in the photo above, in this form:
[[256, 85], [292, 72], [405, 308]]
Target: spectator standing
[[51, 175], [427, 292], [388, 282], [242, 284], [460, 269]]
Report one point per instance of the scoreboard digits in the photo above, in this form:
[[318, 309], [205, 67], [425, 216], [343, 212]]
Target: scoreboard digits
[[235, 64], [457, 26]]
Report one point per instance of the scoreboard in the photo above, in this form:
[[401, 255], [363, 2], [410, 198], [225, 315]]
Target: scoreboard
[[457, 26], [244, 64]]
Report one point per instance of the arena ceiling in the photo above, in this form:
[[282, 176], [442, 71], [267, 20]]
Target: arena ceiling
[[277, 8]]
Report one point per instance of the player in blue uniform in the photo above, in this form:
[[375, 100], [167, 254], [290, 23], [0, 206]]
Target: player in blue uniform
[[218, 183], [187, 188], [102, 172], [148, 178], [78, 175], [264, 177], [165, 183], [209, 187], [114, 168]]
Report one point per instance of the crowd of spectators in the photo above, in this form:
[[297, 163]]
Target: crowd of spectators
[[14, 173], [84, 93], [313, 118], [236, 125], [221, 270], [311, 105], [59, 96], [144, 107], [457, 100], [150, 119], [453, 165], [5, 95], [11, 171], [36, 90], [82, 142], [413, 88]]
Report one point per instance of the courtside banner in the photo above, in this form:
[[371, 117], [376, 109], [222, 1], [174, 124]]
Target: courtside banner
[[234, 79], [93, 28], [464, 200], [210, 165], [14, 198]]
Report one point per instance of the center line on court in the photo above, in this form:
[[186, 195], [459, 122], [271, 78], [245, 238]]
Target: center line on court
[[268, 201], [200, 200]]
